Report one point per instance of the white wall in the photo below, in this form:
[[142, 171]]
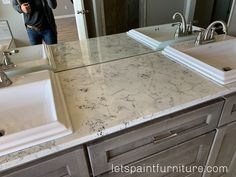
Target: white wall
[[232, 24], [16, 24]]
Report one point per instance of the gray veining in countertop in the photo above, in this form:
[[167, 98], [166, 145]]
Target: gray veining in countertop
[[105, 98], [123, 93], [95, 50]]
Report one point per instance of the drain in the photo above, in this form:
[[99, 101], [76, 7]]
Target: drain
[[2, 133], [226, 68]]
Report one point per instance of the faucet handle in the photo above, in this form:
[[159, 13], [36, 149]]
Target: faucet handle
[[200, 37], [213, 31], [178, 30], [190, 27], [7, 63]]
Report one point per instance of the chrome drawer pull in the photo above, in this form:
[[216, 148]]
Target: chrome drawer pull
[[156, 140]]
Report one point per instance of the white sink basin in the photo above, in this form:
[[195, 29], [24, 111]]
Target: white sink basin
[[32, 112], [216, 60], [29, 59], [158, 37]]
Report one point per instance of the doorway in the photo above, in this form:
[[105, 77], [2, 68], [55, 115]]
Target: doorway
[[121, 15], [65, 20]]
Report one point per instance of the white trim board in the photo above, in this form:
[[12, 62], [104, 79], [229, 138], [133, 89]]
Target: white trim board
[[64, 16]]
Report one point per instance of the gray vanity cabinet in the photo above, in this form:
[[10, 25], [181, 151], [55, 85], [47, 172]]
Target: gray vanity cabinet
[[71, 164], [191, 153], [153, 137], [223, 151], [229, 111]]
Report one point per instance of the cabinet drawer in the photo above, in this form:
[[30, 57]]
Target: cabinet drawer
[[190, 153], [154, 137], [229, 110], [72, 164]]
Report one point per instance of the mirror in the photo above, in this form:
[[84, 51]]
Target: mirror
[[107, 17], [5, 31], [122, 15]]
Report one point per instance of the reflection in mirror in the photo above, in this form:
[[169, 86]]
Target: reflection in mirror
[[5, 31], [211, 10], [116, 16], [64, 15]]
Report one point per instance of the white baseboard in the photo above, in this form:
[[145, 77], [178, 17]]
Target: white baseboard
[[64, 16]]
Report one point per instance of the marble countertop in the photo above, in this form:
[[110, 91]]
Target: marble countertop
[[95, 50], [109, 97], [113, 96]]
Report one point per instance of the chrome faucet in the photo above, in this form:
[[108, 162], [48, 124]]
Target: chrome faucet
[[183, 29], [4, 80], [207, 36], [7, 63]]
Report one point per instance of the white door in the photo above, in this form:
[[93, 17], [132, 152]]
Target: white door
[[81, 23]]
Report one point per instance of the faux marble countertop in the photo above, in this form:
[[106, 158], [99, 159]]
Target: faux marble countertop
[[108, 97], [105, 98], [95, 50]]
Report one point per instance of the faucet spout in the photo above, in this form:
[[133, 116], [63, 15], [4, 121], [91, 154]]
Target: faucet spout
[[211, 26], [183, 24], [207, 35], [7, 63]]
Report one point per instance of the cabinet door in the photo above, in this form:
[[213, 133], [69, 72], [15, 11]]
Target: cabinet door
[[153, 137], [72, 164], [223, 153], [189, 154], [229, 110]]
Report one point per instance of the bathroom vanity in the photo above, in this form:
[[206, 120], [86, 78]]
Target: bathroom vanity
[[131, 107]]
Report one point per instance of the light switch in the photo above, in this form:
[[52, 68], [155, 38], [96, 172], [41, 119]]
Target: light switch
[[6, 1]]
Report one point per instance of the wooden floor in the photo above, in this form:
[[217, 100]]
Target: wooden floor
[[67, 30]]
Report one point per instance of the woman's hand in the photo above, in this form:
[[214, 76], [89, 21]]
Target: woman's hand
[[25, 7]]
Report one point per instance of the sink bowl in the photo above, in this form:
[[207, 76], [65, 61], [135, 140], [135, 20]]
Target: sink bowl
[[29, 59], [215, 60], [32, 112], [158, 37]]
